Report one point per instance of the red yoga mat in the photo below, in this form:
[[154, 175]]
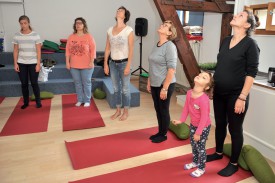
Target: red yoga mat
[[76, 118], [170, 170], [1, 99], [29, 120], [100, 150]]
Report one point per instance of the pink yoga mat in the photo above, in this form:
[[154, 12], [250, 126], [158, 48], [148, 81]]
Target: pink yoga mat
[[169, 171], [1, 99], [77, 118], [100, 150], [29, 120]]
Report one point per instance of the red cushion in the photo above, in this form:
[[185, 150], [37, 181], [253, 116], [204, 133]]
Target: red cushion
[[63, 40]]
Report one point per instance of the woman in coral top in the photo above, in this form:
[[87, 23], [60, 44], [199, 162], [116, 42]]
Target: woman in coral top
[[80, 55]]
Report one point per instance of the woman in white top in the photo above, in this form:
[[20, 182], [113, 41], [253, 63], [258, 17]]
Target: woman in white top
[[27, 56], [120, 43]]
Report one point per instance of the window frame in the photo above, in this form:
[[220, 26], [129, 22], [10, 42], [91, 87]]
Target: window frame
[[269, 29]]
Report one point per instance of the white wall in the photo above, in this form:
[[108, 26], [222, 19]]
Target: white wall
[[259, 123], [211, 37], [265, 42], [53, 20]]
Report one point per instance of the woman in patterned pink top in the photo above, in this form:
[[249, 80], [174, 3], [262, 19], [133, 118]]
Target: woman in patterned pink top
[[197, 105], [80, 55]]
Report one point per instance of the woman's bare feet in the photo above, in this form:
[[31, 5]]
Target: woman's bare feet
[[117, 114], [124, 115]]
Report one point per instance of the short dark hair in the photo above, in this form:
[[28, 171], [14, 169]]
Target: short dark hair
[[85, 29], [127, 14], [24, 17], [253, 20]]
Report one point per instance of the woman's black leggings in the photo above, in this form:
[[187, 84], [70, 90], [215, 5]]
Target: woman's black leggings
[[225, 115], [162, 107], [26, 71]]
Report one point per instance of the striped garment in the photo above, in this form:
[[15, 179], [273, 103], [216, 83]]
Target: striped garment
[[27, 50]]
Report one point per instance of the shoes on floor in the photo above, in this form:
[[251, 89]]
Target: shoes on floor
[[78, 104], [87, 104], [190, 166], [38, 105], [229, 170], [24, 106], [197, 173], [154, 136], [213, 157], [159, 139]]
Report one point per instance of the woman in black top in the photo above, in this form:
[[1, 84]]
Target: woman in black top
[[236, 69]]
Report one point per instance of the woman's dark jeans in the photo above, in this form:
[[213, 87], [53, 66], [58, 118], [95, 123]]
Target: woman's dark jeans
[[28, 71]]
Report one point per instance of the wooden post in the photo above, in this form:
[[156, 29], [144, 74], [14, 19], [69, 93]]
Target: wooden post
[[226, 29]]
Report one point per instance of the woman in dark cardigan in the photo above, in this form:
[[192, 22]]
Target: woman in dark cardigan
[[236, 69]]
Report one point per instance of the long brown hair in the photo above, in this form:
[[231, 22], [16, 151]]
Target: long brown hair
[[24, 17], [253, 20], [210, 90], [85, 28]]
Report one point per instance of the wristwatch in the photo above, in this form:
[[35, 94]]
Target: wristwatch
[[163, 89]]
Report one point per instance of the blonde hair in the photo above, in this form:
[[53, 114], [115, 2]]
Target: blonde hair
[[172, 29]]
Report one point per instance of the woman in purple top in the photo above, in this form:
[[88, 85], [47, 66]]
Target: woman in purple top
[[197, 105]]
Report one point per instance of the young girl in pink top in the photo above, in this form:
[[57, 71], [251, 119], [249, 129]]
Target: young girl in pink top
[[197, 105]]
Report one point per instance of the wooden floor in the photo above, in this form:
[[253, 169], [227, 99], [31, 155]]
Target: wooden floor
[[43, 158]]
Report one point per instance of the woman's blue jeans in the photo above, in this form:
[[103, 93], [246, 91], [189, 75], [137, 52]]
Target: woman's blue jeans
[[121, 84], [83, 84]]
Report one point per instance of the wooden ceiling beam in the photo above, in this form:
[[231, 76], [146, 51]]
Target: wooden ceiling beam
[[217, 6]]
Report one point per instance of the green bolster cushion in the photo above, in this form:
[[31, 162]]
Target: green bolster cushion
[[258, 165], [43, 95], [241, 162], [144, 74], [182, 130], [51, 45], [47, 48], [99, 94]]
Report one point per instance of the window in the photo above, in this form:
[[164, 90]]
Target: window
[[190, 18], [266, 14]]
